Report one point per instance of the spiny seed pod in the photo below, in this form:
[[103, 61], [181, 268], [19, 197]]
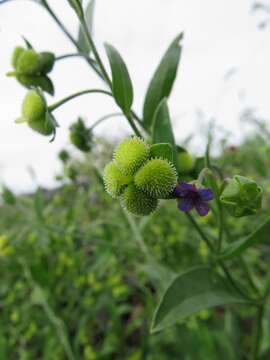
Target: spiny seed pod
[[137, 202], [185, 162], [34, 106], [28, 63], [157, 178], [80, 136], [131, 154], [47, 60], [115, 182], [15, 55]]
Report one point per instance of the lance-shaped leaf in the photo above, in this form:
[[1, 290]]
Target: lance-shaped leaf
[[197, 289], [77, 6], [121, 83], [260, 235], [89, 18], [162, 129], [162, 81]]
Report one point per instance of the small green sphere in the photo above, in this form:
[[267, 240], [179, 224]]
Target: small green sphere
[[47, 62], [29, 63], [137, 202], [131, 154], [185, 162], [115, 182], [17, 52], [157, 178], [34, 106], [42, 126]]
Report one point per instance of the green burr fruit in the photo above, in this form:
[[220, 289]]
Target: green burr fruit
[[131, 154], [157, 178], [185, 162], [137, 202], [115, 182]]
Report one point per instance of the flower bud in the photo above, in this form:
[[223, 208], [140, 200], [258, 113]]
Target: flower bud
[[131, 154], [34, 112], [137, 202], [157, 178], [185, 162], [242, 196], [28, 63], [15, 55], [46, 62], [115, 182], [36, 81], [64, 156], [33, 106], [80, 136]]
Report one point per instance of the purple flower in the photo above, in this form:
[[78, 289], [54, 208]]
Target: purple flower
[[190, 197]]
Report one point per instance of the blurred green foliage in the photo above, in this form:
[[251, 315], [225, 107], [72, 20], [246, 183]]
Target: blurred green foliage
[[80, 278]]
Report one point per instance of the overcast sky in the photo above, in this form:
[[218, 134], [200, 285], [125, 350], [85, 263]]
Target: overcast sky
[[220, 35]]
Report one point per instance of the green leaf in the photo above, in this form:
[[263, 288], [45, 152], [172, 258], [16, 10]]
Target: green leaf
[[197, 289], [162, 129], [162, 81], [163, 150], [260, 235], [77, 6], [89, 18], [121, 83]]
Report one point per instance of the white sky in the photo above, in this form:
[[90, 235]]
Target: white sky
[[219, 35]]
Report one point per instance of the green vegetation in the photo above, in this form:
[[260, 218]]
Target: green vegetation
[[80, 277]]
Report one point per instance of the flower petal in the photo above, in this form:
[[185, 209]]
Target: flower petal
[[186, 204], [182, 189], [202, 208], [206, 194]]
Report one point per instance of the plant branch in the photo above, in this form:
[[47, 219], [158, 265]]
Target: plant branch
[[70, 97]]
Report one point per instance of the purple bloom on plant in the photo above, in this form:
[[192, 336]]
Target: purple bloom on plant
[[190, 197]]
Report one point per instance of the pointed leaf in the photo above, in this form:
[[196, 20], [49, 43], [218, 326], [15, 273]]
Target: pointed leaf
[[260, 235], [121, 83], [162, 81], [77, 6], [89, 18], [163, 150], [162, 128], [190, 292]]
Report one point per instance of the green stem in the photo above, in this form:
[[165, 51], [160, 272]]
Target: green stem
[[100, 72], [59, 22], [95, 52], [133, 125], [70, 97], [220, 262], [103, 118], [66, 56], [257, 336]]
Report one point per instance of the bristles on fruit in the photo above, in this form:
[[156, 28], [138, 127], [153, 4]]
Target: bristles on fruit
[[115, 182], [157, 178], [131, 154], [137, 202]]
